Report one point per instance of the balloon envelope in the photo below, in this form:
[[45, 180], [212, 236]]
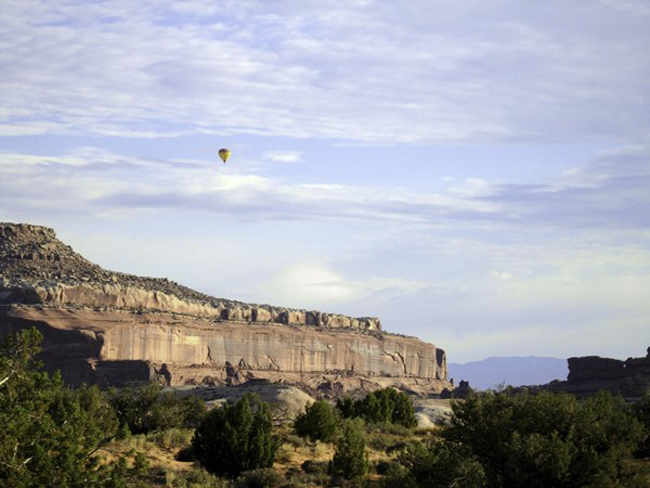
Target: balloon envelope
[[224, 154]]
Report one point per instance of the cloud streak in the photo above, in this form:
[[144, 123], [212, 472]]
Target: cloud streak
[[610, 192], [372, 72]]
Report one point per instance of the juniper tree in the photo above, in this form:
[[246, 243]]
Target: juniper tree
[[235, 438]]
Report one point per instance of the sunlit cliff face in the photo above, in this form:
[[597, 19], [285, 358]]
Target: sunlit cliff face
[[104, 327]]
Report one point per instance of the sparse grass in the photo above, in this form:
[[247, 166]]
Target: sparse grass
[[260, 478], [298, 463], [171, 438], [284, 454], [160, 450], [642, 467], [294, 440], [297, 479], [294, 451], [390, 438], [195, 478]]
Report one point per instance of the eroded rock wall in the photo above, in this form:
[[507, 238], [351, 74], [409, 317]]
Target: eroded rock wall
[[111, 328], [93, 343]]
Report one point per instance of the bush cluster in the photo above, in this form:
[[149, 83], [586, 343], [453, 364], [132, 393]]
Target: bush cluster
[[148, 408], [440, 465], [641, 410], [350, 459], [260, 478], [505, 439], [235, 438], [318, 423], [51, 433], [381, 406]]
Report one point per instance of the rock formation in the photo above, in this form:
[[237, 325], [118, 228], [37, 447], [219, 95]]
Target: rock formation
[[111, 328], [590, 374]]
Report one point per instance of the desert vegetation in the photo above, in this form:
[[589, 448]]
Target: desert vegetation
[[145, 436], [236, 438]]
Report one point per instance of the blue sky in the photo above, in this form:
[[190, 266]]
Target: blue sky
[[474, 173]]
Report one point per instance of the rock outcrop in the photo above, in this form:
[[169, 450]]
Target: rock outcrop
[[112, 328], [37, 268], [590, 374]]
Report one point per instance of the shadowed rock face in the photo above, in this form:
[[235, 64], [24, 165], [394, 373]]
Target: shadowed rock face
[[590, 374], [110, 328]]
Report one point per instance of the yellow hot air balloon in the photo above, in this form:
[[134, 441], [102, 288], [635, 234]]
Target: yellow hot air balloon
[[224, 154]]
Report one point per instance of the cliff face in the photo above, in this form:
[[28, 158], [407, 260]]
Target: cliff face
[[110, 328], [590, 374]]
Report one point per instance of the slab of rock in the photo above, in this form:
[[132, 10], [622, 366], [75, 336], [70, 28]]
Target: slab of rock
[[108, 328], [286, 401], [431, 412], [590, 374]]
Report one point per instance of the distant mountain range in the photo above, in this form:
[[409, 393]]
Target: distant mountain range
[[514, 371]]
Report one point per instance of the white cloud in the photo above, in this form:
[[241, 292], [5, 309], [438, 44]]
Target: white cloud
[[610, 192], [381, 72], [283, 156], [502, 275], [311, 285], [569, 298]]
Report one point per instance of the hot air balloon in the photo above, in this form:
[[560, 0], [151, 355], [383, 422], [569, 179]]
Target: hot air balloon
[[224, 154]]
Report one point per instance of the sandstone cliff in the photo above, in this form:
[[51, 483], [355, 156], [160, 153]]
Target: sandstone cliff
[[110, 328], [590, 374]]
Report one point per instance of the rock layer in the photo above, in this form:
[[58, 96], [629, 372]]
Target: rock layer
[[110, 328]]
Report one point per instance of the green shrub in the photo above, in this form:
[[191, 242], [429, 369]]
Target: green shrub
[[401, 479], [186, 454], [148, 408], [194, 478], [387, 468], [311, 466], [350, 460], [192, 410], [380, 442], [49, 433], [395, 429], [170, 438], [346, 408], [641, 410], [260, 478], [442, 464], [318, 423], [380, 406], [546, 439], [236, 438]]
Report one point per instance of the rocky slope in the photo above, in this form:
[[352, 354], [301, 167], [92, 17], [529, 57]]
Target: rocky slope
[[110, 328]]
